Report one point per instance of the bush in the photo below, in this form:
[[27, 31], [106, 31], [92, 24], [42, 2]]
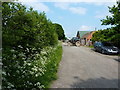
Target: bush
[[54, 57], [37, 73], [27, 35], [59, 31], [109, 35]]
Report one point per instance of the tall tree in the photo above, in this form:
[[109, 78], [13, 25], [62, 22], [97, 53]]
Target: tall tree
[[111, 34], [115, 18], [59, 31]]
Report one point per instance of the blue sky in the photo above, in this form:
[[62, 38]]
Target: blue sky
[[74, 16]]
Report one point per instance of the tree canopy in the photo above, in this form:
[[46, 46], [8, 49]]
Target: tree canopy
[[110, 34], [115, 18], [25, 33], [59, 31]]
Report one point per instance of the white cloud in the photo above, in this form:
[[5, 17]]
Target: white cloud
[[78, 10], [102, 14], [102, 3], [70, 0], [62, 5], [27, 0], [40, 6], [67, 6], [60, 17], [86, 28], [36, 5]]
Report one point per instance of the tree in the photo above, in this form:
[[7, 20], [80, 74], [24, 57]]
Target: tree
[[115, 18], [59, 31], [115, 21], [25, 33], [110, 34]]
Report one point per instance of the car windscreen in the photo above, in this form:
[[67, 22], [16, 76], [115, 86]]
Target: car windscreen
[[106, 44], [75, 38]]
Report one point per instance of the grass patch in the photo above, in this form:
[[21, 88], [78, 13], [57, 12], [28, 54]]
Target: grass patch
[[90, 46], [114, 55], [51, 68]]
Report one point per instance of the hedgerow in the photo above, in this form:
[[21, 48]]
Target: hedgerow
[[37, 73], [30, 51]]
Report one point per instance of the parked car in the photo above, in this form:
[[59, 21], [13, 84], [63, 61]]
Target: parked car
[[106, 48], [74, 40]]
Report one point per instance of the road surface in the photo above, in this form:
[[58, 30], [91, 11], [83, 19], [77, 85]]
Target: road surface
[[82, 67]]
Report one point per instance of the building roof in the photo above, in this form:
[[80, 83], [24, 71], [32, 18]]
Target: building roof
[[86, 35], [82, 33]]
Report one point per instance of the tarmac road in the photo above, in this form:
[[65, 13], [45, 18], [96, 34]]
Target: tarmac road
[[82, 67]]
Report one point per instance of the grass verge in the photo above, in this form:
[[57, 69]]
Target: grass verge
[[34, 73], [90, 46], [54, 59]]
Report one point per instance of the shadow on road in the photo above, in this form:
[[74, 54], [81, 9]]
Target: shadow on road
[[117, 59], [96, 83], [112, 55]]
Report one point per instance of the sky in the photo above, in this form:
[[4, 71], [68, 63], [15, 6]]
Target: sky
[[77, 15]]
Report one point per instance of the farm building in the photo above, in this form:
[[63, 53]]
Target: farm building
[[85, 37]]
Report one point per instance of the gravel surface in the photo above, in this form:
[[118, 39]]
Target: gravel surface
[[82, 67]]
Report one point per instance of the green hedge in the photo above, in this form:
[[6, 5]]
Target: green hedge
[[54, 58], [30, 51], [36, 73]]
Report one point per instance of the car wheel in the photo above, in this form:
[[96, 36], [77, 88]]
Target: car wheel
[[102, 51], [95, 49]]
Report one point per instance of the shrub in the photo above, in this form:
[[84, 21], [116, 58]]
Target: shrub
[[26, 33]]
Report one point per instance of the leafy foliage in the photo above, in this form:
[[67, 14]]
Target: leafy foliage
[[115, 18], [110, 34], [26, 33], [59, 31], [54, 56]]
